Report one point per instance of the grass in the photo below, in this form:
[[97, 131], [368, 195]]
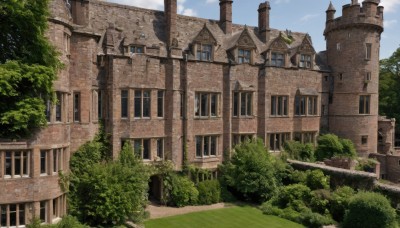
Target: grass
[[236, 216]]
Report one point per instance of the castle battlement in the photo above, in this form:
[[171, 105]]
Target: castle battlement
[[354, 14]]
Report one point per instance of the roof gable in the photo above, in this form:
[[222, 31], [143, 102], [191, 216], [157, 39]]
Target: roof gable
[[245, 40], [306, 46], [205, 36], [279, 44]]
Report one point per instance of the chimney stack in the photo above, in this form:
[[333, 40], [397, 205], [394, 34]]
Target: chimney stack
[[170, 11], [226, 15], [263, 21]]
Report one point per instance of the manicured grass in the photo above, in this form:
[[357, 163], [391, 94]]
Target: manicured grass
[[237, 216]]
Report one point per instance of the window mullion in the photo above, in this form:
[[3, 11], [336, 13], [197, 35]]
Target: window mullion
[[12, 164]]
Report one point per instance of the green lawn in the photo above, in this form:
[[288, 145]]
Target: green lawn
[[243, 217]]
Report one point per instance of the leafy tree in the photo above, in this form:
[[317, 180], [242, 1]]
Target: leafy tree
[[340, 202], [251, 171], [28, 66], [105, 193], [330, 145], [370, 210], [389, 84]]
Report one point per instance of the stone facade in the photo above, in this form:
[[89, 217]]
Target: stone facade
[[181, 87]]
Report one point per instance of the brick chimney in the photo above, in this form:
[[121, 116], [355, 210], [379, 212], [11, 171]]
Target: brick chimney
[[226, 15], [170, 10], [263, 21]]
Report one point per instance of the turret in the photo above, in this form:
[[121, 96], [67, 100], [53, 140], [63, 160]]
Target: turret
[[330, 12], [353, 42]]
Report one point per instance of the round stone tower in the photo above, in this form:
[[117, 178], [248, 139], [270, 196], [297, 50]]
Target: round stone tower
[[353, 43]]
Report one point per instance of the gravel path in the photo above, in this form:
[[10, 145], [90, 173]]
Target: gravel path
[[157, 211]]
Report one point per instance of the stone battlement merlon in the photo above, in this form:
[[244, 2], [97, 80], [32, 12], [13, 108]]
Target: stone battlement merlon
[[369, 14]]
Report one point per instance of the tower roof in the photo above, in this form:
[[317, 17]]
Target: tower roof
[[331, 7]]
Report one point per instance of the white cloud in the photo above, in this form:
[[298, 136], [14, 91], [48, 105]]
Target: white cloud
[[157, 5], [308, 17], [211, 1], [389, 23], [390, 5]]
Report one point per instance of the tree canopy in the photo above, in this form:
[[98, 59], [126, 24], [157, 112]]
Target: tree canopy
[[389, 84], [28, 66]]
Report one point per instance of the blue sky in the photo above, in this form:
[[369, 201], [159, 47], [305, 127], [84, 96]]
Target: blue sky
[[296, 15]]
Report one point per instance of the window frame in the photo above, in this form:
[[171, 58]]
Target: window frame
[[124, 103], [204, 52], [206, 146], [143, 101], [364, 105], [77, 106], [142, 148], [304, 135], [205, 110], [274, 59], [305, 61], [239, 138], [237, 104], [368, 51], [302, 105], [281, 106], [15, 166], [160, 142], [20, 209], [279, 140], [160, 103], [133, 49], [244, 56]]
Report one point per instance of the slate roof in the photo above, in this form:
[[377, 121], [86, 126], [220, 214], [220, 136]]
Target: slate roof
[[126, 25]]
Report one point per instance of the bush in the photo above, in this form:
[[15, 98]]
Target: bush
[[320, 200], [299, 151], [251, 172], [268, 209], [328, 146], [316, 179], [340, 202], [369, 210], [366, 165], [209, 192], [292, 196], [183, 192], [315, 220]]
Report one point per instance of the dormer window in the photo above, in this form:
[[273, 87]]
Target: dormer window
[[305, 61], [136, 49], [204, 52], [244, 56], [277, 59]]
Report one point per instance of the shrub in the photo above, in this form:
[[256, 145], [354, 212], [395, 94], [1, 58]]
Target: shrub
[[290, 214], [298, 177], [316, 179], [328, 146], [299, 151], [369, 209], [183, 192], [366, 165], [320, 200], [315, 220], [340, 202], [209, 192], [292, 196], [251, 172], [268, 209], [348, 148]]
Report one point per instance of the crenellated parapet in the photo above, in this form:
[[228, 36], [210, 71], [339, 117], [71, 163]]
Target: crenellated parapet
[[367, 14]]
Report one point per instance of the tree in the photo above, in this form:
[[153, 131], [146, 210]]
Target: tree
[[389, 84], [251, 171], [28, 66], [106, 193], [330, 145], [369, 209]]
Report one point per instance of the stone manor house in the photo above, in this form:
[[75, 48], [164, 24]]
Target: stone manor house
[[170, 83]]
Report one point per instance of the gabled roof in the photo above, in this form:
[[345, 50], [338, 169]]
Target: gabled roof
[[205, 36], [306, 45], [278, 44], [242, 39]]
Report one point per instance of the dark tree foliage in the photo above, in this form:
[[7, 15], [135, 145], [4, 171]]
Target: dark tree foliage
[[28, 65], [389, 84]]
